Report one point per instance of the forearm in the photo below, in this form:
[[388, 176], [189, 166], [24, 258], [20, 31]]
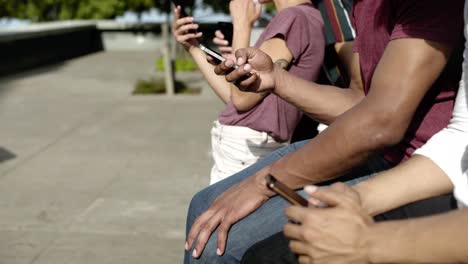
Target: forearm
[[378, 121], [323, 103], [241, 35], [416, 179], [243, 101], [348, 142], [218, 83], [436, 239]]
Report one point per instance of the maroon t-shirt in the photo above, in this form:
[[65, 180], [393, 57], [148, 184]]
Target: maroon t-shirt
[[302, 28], [377, 22]]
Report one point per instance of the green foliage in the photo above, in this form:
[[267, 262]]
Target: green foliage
[[270, 8], [49, 10], [152, 86], [181, 64], [157, 86]]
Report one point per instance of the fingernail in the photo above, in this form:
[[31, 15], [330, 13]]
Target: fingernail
[[240, 61], [186, 246], [247, 68], [194, 253], [322, 204], [229, 63], [314, 201], [218, 252], [311, 189]]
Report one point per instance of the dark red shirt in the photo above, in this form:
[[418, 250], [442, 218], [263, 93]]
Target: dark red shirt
[[377, 22]]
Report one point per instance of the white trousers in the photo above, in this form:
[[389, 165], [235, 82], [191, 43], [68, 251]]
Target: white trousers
[[235, 148]]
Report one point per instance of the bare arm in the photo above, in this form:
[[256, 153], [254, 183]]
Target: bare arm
[[244, 13], [219, 85], [416, 179], [278, 51], [189, 41], [323, 103], [345, 53], [435, 239], [343, 232], [385, 114]]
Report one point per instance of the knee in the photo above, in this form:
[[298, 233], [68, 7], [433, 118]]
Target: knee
[[199, 204], [194, 209]]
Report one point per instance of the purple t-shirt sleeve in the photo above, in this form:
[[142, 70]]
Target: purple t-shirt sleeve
[[429, 19], [288, 25]]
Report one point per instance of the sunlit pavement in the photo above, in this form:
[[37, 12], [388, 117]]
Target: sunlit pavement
[[91, 174]]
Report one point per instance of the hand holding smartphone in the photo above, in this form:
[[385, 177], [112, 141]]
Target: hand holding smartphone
[[285, 192], [218, 59], [183, 13]]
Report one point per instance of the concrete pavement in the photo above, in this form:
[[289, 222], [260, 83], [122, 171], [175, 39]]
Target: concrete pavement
[[89, 173]]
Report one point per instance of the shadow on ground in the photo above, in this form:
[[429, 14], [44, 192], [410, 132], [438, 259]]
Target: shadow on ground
[[6, 155]]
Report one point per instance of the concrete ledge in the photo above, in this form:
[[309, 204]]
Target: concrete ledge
[[43, 29], [46, 43]]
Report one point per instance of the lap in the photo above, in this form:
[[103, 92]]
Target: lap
[[264, 222], [275, 249]]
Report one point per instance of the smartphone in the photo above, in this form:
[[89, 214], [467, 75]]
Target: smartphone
[[180, 3], [285, 192], [216, 56], [218, 59], [227, 29], [183, 13]]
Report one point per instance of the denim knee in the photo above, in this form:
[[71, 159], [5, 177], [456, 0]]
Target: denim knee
[[199, 203]]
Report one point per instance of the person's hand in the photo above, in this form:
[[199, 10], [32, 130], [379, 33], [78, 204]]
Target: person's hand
[[180, 30], [244, 12], [255, 62], [335, 234], [231, 206], [223, 45]]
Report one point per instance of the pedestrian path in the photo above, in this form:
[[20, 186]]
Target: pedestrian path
[[89, 173]]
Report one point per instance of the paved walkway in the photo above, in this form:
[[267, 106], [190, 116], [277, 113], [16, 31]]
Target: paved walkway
[[90, 174]]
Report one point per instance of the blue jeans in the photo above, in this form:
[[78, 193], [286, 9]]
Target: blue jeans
[[266, 220]]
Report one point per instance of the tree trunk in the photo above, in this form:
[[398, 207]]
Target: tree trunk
[[168, 62]]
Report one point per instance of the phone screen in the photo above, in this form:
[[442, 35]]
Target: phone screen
[[227, 29], [285, 192], [180, 3], [183, 13]]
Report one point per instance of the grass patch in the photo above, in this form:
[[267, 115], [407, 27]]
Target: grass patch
[[158, 86], [181, 64]]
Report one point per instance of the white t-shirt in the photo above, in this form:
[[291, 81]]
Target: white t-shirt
[[449, 148]]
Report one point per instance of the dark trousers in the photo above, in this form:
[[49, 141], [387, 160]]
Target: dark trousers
[[275, 249]]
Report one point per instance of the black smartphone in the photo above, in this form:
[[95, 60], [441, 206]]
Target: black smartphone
[[227, 29], [285, 192], [183, 12]]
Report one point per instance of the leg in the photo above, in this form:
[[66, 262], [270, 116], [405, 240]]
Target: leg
[[202, 200], [273, 250], [264, 222]]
